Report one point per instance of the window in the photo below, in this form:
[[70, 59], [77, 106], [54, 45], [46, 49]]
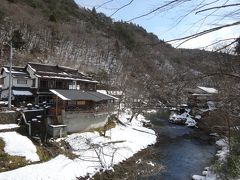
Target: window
[[44, 98], [72, 85], [33, 82], [51, 83], [43, 84], [59, 84], [81, 102], [21, 81]]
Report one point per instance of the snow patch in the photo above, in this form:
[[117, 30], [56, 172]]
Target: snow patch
[[224, 152], [152, 111], [184, 118], [8, 126], [95, 152], [208, 89], [198, 117], [18, 145], [151, 163]]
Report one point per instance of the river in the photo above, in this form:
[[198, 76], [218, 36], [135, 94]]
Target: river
[[181, 153]]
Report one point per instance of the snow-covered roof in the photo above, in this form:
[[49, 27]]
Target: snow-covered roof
[[22, 93], [58, 72], [105, 92], [208, 89], [112, 92], [67, 78], [59, 94], [81, 95], [16, 71], [198, 94]]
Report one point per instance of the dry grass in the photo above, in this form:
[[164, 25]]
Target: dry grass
[[8, 162], [43, 154], [102, 130]]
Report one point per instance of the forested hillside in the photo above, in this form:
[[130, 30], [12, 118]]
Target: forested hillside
[[118, 54]]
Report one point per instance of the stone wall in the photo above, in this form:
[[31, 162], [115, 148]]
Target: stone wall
[[77, 121], [8, 117]]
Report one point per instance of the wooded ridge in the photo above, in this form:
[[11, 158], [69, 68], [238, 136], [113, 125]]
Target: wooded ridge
[[118, 54]]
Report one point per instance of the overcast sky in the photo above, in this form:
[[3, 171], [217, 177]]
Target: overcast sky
[[166, 24]]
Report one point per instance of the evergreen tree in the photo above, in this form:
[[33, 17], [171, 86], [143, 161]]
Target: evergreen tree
[[17, 39], [237, 47]]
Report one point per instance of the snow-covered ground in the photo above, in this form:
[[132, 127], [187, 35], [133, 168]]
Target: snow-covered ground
[[18, 145], [94, 152], [8, 126]]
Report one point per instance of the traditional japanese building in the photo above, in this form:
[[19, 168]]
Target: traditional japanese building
[[75, 103], [21, 84], [45, 77], [200, 96]]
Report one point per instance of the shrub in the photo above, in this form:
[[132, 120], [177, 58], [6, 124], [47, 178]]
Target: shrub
[[231, 167]]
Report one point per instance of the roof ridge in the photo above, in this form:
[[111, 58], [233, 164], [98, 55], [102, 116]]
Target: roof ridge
[[14, 66], [54, 65], [41, 64], [65, 67]]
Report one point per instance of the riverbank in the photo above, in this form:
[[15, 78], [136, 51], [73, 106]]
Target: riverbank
[[137, 167], [179, 153], [182, 150], [210, 173], [95, 153]]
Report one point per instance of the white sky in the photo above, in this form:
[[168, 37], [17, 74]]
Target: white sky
[[165, 23]]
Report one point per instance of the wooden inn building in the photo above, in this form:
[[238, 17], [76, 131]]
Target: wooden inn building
[[75, 102]]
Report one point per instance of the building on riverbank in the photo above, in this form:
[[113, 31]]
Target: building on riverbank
[[199, 96], [71, 95]]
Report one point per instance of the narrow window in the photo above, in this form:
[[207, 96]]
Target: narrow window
[[21, 81]]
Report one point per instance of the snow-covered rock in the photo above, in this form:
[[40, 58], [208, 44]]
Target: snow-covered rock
[[184, 118], [198, 117], [197, 177], [224, 151]]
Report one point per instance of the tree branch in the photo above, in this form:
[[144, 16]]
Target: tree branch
[[156, 9], [219, 41], [218, 7], [122, 7], [101, 5], [224, 47], [187, 38]]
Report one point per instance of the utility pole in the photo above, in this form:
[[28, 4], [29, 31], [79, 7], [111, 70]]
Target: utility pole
[[10, 77]]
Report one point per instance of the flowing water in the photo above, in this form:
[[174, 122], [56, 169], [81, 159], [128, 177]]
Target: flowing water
[[178, 151]]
